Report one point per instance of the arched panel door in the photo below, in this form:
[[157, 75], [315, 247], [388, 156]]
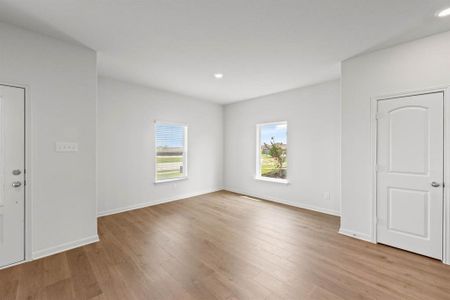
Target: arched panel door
[[410, 163]]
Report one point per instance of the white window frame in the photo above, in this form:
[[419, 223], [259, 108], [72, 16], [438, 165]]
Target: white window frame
[[185, 153], [258, 153]]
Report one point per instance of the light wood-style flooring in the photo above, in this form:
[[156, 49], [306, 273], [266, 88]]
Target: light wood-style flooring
[[226, 246]]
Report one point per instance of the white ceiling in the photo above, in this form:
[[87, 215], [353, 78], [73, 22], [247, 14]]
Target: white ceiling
[[261, 46]]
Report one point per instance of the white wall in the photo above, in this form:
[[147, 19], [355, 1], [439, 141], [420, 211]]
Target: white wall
[[126, 115], [414, 66], [62, 94], [313, 116]]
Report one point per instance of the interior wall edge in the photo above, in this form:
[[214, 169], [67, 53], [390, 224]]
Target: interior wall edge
[[156, 202], [126, 152], [284, 201], [60, 106], [65, 247]]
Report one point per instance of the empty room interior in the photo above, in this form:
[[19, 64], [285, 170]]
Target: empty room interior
[[224, 149]]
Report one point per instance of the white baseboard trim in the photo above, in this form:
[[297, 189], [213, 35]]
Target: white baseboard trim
[[287, 202], [14, 264], [356, 235], [156, 202], [64, 247]]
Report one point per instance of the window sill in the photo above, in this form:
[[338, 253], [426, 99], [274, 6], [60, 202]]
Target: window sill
[[171, 180], [274, 180]]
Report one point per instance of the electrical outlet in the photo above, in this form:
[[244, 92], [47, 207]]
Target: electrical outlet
[[66, 147]]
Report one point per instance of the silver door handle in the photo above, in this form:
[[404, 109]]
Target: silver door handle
[[435, 184], [16, 184]]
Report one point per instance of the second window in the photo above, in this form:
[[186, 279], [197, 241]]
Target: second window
[[171, 151], [272, 151]]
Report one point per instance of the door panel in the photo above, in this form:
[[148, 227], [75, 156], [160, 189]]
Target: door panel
[[418, 204], [408, 140], [410, 157], [12, 177]]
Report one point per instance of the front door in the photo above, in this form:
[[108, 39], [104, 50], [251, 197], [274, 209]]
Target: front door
[[410, 172], [12, 177]]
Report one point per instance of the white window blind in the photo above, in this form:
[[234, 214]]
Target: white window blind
[[170, 142]]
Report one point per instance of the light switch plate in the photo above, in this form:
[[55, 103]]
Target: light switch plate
[[66, 147]]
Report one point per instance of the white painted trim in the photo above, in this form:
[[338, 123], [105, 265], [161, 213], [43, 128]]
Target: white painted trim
[[274, 180], [357, 235], [29, 174], [14, 264], [65, 247], [411, 93], [373, 155], [340, 148], [156, 202], [446, 229], [286, 202], [374, 133], [171, 179]]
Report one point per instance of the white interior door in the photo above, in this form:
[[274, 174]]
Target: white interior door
[[12, 178], [410, 174]]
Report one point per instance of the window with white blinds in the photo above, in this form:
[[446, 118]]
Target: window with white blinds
[[171, 151]]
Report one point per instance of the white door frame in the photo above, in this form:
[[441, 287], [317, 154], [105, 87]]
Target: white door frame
[[27, 175], [374, 141]]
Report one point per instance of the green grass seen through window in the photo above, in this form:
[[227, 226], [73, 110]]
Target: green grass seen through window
[[269, 167], [168, 167]]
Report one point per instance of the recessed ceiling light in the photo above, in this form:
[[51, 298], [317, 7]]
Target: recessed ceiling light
[[218, 75], [444, 13]]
